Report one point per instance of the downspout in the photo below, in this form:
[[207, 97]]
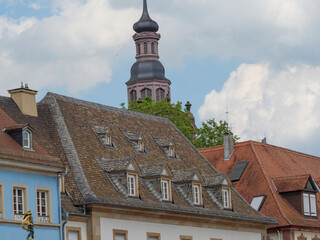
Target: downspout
[[279, 235], [59, 203]]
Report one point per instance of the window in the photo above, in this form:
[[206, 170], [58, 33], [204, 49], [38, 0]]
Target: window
[[153, 236], [120, 234], [2, 208], [133, 95], [132, 185], [226, 198], [43, 205], [238, 171], [27, 139], [165, 190], [257, 202], [73, 233], [185, 238], [19, 202], [140, 146], [152, 48], [138, 49], [108, 141], [146, 92], [160, 94], [309, 204], [145, 47], [196, 194], [171, 152]]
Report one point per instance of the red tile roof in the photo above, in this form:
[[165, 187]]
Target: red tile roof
[[267, 162], [10, 149], [291, 183]]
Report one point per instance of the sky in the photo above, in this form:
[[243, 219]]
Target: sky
[[257, 60]]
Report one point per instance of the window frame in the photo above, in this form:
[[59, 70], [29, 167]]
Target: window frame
[[145, 47], [195, 186], [2, 203], [186, 237], [144, 93], [119, 231], [108, 140], [29, 138], [73, 229], [141, 146], [171, 152], [133, 93], [309, 203], [133, 176], [138, 49], [169, 198], [25, 200], [151, 234], [48, 204], [226, 190]]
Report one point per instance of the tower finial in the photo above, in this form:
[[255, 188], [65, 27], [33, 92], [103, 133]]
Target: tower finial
[[145, 24]]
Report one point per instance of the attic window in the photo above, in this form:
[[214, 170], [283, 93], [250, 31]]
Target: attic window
[[27, 139], [196, 194], [309, 204], [140, 146], [108, 141], [226, 198], [165, 190], [132, 185], [257, 202], [171, 152], [238, 171]]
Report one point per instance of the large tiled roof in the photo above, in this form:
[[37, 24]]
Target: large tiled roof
[[270, 171], [96, 172]]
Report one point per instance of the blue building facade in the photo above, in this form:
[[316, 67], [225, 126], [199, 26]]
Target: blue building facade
[[29, 181]]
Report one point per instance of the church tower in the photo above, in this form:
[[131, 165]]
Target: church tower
[[147, 73]]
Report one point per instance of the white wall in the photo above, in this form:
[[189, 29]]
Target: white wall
[[138, 230]]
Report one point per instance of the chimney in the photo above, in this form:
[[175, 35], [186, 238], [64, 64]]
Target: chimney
[[228, 145], [25, 98]]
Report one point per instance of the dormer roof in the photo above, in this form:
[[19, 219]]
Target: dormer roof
[[157, 169], [294, 183]]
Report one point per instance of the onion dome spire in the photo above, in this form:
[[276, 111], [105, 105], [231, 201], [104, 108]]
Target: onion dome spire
[[145, 24]]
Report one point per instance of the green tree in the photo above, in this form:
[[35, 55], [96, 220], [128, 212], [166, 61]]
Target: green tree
[[174, 112], [211, 134]]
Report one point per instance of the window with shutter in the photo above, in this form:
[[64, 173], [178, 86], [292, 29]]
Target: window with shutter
[[306, 204]]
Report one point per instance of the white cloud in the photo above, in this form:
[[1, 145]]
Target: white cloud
[[279, 104], [74, 49]]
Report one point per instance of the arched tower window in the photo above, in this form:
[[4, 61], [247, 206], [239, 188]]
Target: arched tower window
[[160, 94], [138, 49], [152, 48], [146, 92], [145, 47], [133, 95]]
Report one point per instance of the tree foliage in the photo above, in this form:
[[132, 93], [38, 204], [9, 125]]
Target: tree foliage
[[211, 134], [174, 112]]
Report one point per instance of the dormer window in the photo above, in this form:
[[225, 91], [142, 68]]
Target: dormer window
[[27, 139], [309, 204], [226, 198], [132, 185], [166, 189], [140, 146], [108, 141], [171, 152], [196, 194]]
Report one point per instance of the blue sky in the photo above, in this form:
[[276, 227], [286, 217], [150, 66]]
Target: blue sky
[[261, 58]]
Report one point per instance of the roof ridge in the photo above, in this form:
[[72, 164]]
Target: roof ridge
[[292, 176], [285, 149], [104, 107], [268, 183]]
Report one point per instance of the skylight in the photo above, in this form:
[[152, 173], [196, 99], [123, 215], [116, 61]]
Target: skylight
[[257, 202], [238, 170]]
